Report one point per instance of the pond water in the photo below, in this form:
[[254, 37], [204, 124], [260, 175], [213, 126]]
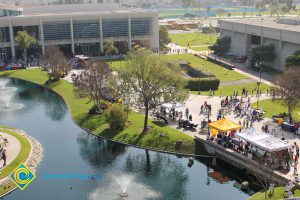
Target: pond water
[[78, 165]]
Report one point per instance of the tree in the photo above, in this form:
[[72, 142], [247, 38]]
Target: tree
[[164, 38], [93, 81], [152, 80], [222, 46], [187, 3], [109, 47], [220, 11], [293, 60], [265, 53], [276, 7], [24, 40], [288, 87], [55, 62], [116, 116]]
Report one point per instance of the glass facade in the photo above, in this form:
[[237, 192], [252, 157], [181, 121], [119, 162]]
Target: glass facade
[[5, 54], [33, 51], [114, 27], [66, 49], [5, 12], [89, 49], [57, 30], [31, 30], [141, 26], [4, 34], [86, 29]]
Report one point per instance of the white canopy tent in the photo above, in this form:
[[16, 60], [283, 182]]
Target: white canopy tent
[[251, 135], [263, 141], [172, 105]]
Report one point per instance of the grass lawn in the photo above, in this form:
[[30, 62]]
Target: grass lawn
[[194, 39], [276, 107], [228, 90], [202, 48], [96, 123], [278, 194], [222, 73], [22, 157]]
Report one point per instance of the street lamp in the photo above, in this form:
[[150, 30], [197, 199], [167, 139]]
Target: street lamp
[[258, 85], [208, 113]]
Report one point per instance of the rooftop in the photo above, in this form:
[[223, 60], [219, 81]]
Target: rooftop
[[282, 23], [78, 9]]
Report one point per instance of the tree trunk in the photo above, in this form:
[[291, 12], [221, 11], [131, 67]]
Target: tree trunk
[[25, 56], [146, 116]]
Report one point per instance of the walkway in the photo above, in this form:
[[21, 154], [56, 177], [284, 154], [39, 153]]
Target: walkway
[[13, 148], [240, 68], [195, 101]]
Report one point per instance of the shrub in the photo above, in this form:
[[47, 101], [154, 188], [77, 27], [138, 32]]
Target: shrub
[[195, 73], [116, 116], [94, 110], [205, 84]]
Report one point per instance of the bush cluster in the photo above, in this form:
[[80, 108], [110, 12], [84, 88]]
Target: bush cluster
[[205, 84]]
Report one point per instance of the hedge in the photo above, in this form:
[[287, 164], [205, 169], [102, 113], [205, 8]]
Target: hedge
[[195, 73], [205, 84]]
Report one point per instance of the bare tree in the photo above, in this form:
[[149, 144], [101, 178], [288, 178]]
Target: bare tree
[[152, 80], [55, 63], [288, 87], [94, 81]]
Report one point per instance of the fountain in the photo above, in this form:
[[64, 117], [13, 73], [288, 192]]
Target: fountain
[[6, 97], [123, 182], [123, 186]]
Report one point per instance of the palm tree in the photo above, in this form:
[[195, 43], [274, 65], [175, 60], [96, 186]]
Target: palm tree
[[109, 47], [24, 40]]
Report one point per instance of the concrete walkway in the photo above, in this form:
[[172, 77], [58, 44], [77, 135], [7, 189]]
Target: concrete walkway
[[195, 101], [13, 148], [240, 68]]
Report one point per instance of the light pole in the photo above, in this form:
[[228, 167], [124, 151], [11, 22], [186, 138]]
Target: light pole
[[258, 85], [208, 113]]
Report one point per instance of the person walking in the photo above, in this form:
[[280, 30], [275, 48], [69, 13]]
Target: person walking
[[187, 113]]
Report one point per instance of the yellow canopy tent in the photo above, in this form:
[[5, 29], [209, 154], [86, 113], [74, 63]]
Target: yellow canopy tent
[[225, 125]]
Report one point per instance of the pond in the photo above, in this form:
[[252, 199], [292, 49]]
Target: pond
[[78, 165]]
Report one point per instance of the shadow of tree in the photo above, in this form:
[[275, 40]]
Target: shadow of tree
[[7, 73]]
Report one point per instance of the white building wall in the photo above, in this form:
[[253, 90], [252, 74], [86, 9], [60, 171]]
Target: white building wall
[[38, 19], [286, 42], [238, 44]]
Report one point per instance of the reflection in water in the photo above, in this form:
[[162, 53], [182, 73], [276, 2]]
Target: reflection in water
[[165, 174], [55, 108], [98, 152], [70, 150]]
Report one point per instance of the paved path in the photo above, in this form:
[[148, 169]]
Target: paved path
[[195, 101], [240, 68], [238, 82], [13, 148]]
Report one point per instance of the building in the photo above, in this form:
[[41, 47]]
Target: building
[[246, 34], [79, 29]]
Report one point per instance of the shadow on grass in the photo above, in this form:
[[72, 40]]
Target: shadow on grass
[[91, 122], [159, 123], [52, 85], [7, 73]]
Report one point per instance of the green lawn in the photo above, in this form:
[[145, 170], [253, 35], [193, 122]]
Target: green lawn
[[276, 107], [193, 39], [278, 194], [22, 157], [228, 90], [96, 123], [222, 73], [202, 48]]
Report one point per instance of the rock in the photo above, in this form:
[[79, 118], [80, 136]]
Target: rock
[[179, 142], [244, 185]]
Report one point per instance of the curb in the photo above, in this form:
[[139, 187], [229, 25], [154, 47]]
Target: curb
[[116, 141]]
